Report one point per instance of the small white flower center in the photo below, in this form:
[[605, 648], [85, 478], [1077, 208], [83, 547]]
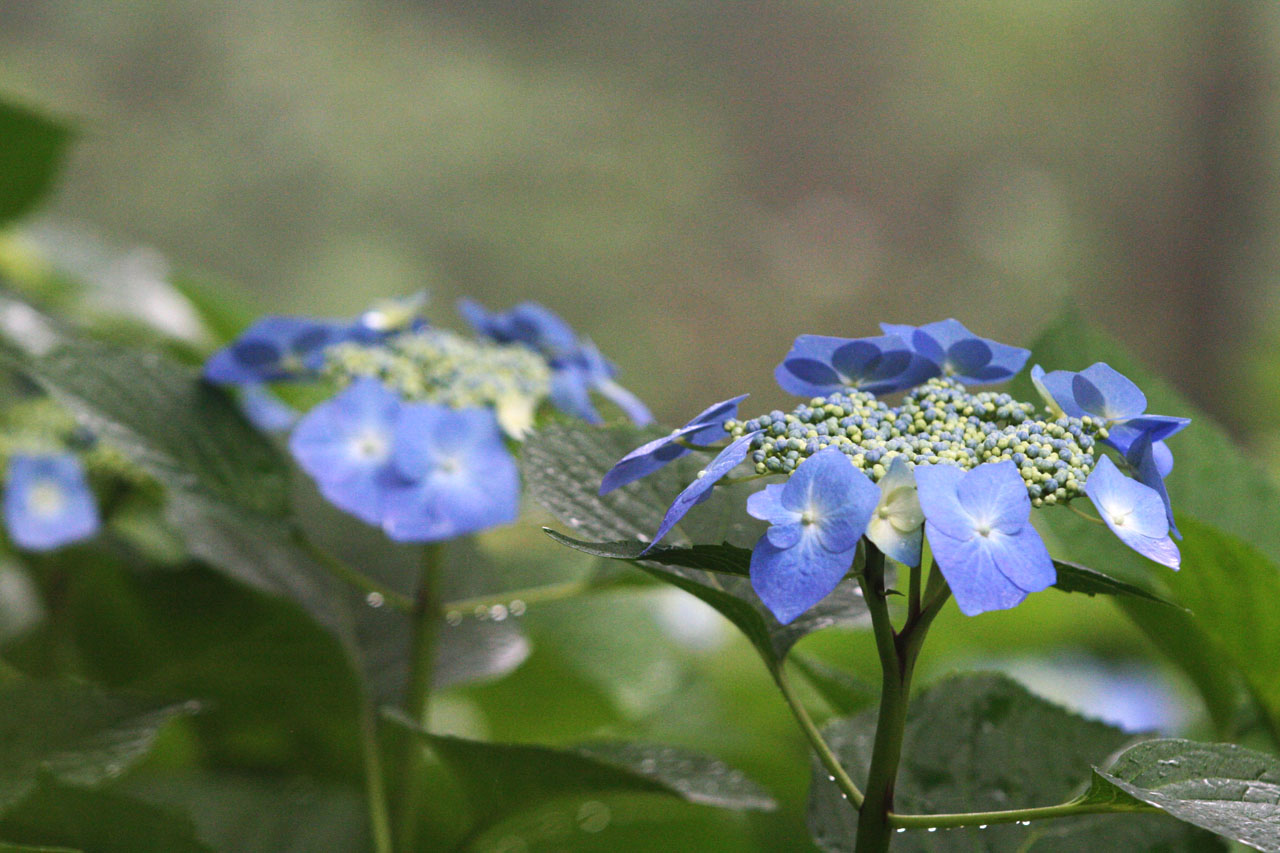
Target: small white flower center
[[983, 529], [449, 465], [46, 499], [884, 511], [370, 446], [808, 517], [1118, 519]]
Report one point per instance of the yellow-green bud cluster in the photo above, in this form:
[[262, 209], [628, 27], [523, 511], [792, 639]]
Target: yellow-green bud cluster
[[439, 366], [937, 422]]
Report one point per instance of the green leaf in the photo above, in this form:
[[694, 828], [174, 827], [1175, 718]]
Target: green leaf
[[563, 466], [97, 821], [1076, 578], [984, 743], [225, 317], [844, 692], [73, 733], [724, 558], [500, 780], [1221, 787], [250, 814], [31, 152]]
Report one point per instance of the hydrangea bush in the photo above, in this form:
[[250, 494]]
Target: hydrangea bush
[[265, 585]]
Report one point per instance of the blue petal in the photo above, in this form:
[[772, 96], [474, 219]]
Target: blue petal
[[274, 349], [635, 410], [995, 495], [428, 436], [956, 351], [818, 365], [1057, 384], [346, 444], [570, 391], [937, 487], [483, 493], [338, 437], [700, 489], [791, 580], [767, 505], [47, 501], [839, 495], [1134, 513], [1105, 393], [785, 535], [527, 323], [707, 427], [1141, 458], [992, 574], [265, 410]]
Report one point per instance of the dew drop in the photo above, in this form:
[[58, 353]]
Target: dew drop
[[575, 522], [982, 826], [933, 829], [498, 612], [831, 778], [902, 829], [453, 617], [481, 612], [517, 607], [374, 599]]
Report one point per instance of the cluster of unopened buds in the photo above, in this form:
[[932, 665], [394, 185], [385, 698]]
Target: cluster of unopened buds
[[417, 437], [962, 469]]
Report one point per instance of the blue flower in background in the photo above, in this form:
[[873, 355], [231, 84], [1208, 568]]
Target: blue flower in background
[[817, 519], [706, 428], [47, 501], [455, 474], [586, 370], [577, 366], [978, 523], [818, 365], [1133, 511], [265, 410], [700, 489], [346, 444], [528, 323], [955, 351], [275, 349]]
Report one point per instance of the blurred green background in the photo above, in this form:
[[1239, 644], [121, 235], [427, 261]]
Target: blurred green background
[[692, 185]]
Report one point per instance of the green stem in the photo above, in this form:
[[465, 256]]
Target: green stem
[[950, 821], [426, 616], [343, 572], [375, 789], [820, 746]]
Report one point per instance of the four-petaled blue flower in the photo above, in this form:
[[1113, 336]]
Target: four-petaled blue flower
[[1103, 393], [275, 349], [957, 352], [346, 443], [978, 523], [700, 489], [704, 429], [817, 519], [577, 365], [818, 365], [1134, 512], [47, 501], [455, 475]]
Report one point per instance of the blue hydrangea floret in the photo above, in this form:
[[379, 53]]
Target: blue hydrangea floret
[[47, 501]]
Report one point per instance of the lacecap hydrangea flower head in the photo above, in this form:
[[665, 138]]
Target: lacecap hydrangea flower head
[[418, 436], [958, 468]]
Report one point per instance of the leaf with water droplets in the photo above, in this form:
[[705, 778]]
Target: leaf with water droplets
[[1221, 787], [723, 558], [500, 780], [74, 733], [984, 743]]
